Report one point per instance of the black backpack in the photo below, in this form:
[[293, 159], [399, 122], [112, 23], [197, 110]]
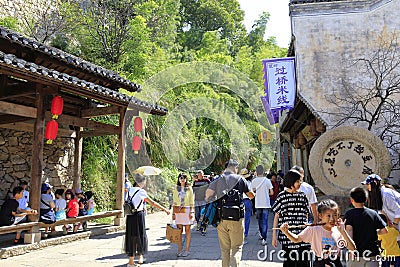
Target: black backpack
[[232, 207]]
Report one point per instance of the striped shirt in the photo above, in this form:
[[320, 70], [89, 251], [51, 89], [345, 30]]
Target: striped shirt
[[293, 210]]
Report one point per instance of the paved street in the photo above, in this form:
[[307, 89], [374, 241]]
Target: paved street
[[105, 250]]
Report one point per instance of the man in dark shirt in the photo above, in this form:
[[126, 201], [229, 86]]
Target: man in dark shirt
[[230, 232], [8, 212], [362, 224], [200, 186]]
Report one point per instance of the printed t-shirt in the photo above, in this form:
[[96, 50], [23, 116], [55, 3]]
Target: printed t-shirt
[[323, 242]]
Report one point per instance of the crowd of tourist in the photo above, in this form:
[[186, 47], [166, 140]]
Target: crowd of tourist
[[54, 206], [308, 232]]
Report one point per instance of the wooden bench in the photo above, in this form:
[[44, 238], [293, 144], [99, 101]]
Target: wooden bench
[[18, 227], [33, 227], [96, 215]]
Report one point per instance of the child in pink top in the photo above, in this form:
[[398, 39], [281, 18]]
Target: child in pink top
[[326, 239]]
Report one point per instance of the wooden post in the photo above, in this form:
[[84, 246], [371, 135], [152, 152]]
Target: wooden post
[[119, 220], [37, 152], [77, 159]]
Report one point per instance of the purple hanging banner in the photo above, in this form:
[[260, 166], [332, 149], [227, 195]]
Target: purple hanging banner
[[272, 115], [280, 82]]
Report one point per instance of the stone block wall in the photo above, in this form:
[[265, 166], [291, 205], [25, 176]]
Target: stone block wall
[[16, 155], [329, 37]]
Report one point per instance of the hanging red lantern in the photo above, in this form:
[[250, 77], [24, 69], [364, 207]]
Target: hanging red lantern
[[57, 105], [138, 124], [51, 131], [136, 142]]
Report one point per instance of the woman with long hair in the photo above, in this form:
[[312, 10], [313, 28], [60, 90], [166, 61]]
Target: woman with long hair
[[183, 211], [135, 242], [383, 199]]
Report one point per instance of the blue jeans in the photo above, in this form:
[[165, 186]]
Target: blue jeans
[[198, 206], [263, 221], [248, 210]]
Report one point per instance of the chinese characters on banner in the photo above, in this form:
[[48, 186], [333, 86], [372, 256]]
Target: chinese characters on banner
[[280, 86]]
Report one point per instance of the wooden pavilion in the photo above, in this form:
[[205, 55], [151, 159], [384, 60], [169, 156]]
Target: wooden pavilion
[[31, 74]]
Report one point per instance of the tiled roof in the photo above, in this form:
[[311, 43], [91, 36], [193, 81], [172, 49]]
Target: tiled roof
[[295, 2], [76, 85], [67, 59]]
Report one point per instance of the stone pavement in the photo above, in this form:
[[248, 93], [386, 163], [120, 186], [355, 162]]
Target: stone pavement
[[105, 250]]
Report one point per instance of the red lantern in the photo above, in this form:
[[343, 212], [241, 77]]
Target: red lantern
[[51, 131], [137, 124], [57, 105], [136, 142]]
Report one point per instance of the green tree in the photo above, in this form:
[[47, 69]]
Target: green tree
[[107, 23], [201, 16]]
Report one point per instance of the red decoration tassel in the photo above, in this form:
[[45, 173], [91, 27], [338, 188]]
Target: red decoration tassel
[[51, 131], [136, 142], [138, 124], [57, 105]]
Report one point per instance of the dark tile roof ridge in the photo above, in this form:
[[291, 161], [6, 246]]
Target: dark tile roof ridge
[[296, 2], [66, 57], [16, 62], [311, 108]]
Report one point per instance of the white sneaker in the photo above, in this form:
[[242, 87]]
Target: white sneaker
[[259, 236], [263, 242]]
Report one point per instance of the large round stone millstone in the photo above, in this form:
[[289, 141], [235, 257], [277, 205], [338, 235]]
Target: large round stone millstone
[[343, 157]]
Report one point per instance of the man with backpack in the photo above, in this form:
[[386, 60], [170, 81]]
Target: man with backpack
[[229, 188]]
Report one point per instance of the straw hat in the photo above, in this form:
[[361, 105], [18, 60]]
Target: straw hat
[[245, 173]]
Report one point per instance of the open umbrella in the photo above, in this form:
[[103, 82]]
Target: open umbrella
[[148, 170]]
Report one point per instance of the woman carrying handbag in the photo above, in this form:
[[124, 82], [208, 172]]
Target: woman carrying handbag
[[183, 211]]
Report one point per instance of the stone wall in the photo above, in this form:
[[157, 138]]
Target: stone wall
[[329, 37], [16, 155], [18, 8]]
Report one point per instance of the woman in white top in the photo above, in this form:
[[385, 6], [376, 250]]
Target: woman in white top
[[381, 198], [135, 242]]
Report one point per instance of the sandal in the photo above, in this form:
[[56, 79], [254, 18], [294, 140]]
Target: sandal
[[18, 241], [184, 254]]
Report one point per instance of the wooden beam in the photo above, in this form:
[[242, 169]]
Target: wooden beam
[[4, 119], [91, 133], [96, 112], [19, 110], [30, 112], [28, 127], [17, 90], [77, 159], [85, 123], [37, 151], [121, 166]]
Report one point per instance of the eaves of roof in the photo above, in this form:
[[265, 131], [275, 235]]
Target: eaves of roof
[[66, 59], [20, 68]]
